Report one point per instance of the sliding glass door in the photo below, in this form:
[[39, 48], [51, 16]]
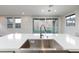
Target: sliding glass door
[[51, 25]]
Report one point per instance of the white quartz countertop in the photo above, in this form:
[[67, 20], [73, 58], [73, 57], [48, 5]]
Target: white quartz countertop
[[15, 40]]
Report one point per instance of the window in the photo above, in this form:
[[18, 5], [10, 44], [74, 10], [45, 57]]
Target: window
[[51, 25], [14, 21], [17, 22], [70, 20], [10, 22]]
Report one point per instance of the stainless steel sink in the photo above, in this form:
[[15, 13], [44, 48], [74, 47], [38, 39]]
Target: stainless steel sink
[[45, 44], [42, 44]]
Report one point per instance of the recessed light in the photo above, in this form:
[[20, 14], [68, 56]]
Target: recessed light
[[23, 13], [55, 10], [42, 10]]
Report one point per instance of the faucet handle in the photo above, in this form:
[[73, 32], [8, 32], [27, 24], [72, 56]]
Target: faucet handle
[[41, 36]]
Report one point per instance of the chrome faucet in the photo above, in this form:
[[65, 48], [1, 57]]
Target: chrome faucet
[[41, 30]]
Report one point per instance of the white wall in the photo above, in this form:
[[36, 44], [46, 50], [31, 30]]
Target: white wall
[[61, 26], [26, 26], [72, 30]]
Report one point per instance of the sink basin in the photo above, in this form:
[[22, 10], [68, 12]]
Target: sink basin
[[41, 46], [44, 44]]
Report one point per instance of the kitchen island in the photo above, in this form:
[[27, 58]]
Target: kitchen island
[[13, 42]]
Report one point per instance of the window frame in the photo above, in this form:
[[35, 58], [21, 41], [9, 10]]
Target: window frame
[[17, 24], [9, 23], [14, 24], [47, 18], [71, 20]]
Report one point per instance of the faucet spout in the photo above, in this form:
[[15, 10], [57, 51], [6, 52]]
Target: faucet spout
[[42, 26]]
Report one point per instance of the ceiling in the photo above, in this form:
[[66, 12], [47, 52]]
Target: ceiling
[[37, 10]]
